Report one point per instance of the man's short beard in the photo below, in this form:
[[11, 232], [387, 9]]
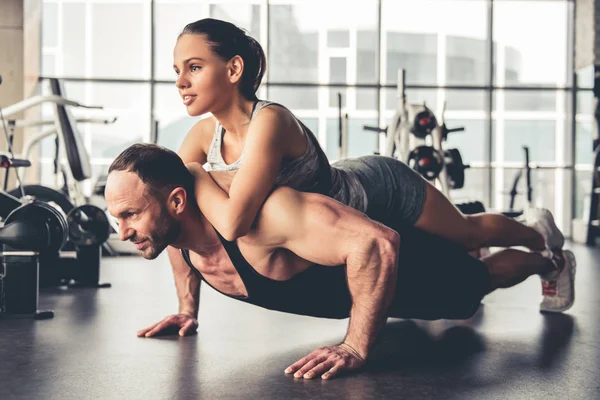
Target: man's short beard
[[167, 231]]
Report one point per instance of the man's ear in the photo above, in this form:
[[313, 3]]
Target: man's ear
[[235, 68], [177, 201]]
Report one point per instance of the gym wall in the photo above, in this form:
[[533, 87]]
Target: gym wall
[[20, 24]]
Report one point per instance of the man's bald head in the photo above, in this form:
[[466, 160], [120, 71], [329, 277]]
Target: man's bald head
[[159, 168]]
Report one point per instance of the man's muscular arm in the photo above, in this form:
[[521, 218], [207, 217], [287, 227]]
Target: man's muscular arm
[[187, 285], [324, 231]]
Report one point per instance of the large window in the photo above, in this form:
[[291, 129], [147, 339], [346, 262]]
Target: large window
[[504, 78], [531, 42], [434, 48]]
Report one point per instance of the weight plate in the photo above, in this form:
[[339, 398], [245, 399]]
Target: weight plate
[[39, 211], [95, 231], [455, 168]]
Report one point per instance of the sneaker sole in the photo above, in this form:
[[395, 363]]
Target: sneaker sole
[[572, 266]]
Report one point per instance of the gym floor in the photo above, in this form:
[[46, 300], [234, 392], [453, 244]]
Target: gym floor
[[508, 350]]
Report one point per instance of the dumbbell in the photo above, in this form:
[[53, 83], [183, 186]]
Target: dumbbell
[[88, 229], [29, 231]]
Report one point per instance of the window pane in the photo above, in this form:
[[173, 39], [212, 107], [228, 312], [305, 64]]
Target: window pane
[[48, 65], [584, 154], [132, 106], [475, 189], [129, 102], [121, 40], [539, 136], [360, 142], [585, 77], [169, 20], [530, 53], [412, 30], [295, 31], [338, 38], [417, 53], [467, 60], [585, 102], [337, 74], [413, 96], [527, 100], [295, 98], [466, 100], [242, 14], [543, 189], [334, 97], [74, 38], [173, 120], [470, 142], [583, 187], [49, 25], [367, 56], [366, 99]]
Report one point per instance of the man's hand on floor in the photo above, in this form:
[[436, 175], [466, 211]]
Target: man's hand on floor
[[327, 362], [182, 324]]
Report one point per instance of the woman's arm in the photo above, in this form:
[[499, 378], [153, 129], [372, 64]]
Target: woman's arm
[[196, 141], [266, 143]]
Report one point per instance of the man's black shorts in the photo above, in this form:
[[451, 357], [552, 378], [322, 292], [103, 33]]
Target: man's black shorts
[[437, 279]]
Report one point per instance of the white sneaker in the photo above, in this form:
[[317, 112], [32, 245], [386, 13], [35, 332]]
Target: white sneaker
[[558, 287], [542, 221]]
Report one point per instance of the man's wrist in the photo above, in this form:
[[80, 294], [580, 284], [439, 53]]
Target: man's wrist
[[189, 313], [355, 350]]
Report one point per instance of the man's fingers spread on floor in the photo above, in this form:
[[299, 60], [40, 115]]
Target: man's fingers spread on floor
[[333, 371], [159, 328], [298, 364], [319, 369], [307, 367], [142, 332]]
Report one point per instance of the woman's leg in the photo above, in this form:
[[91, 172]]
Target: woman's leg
[[510, 267], [442, 218]]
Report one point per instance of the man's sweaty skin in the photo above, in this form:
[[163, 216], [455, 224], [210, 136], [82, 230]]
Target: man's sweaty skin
[[315, 228]]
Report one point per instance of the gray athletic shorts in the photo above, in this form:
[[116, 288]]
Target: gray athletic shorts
[[395, 193]]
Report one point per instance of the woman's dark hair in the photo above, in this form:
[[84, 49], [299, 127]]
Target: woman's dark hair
[[161, 169], [227, 40]]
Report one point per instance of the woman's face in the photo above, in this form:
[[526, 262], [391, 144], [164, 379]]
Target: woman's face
[[203, 78]]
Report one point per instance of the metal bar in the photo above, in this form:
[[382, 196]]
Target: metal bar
[[153, 122], [490, 104], [341, 85]]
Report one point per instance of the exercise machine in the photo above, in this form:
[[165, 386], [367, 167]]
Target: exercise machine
[[29, 231], [526, 170], [415, 136], [72, 166], [31, 239], [87, 226]]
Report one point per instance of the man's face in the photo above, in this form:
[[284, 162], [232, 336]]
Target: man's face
[[143, 219]]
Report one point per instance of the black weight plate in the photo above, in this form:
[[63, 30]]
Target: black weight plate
[[39, 211], [96, 231], [455, 168]]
